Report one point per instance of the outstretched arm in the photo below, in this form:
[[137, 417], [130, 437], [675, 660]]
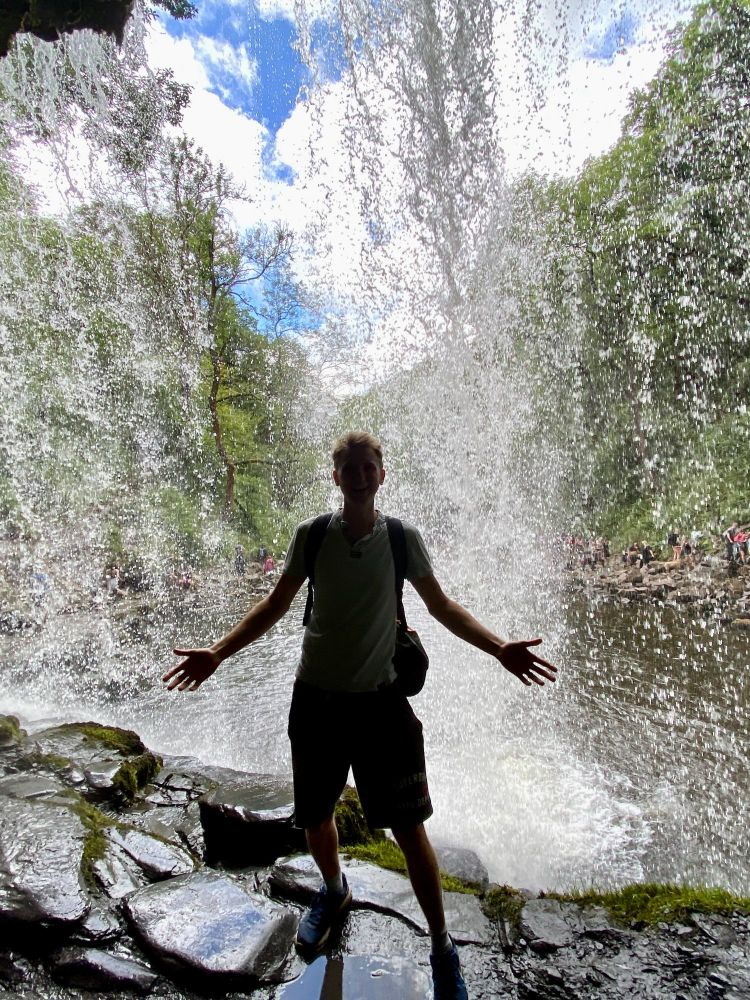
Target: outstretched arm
[[517, 657], [199, 664]]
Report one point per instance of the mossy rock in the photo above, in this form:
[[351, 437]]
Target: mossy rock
[[91, 745], [503, 902], [351, 822], [11, 733], [135, 773]]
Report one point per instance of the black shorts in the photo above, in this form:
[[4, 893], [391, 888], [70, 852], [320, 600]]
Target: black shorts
[[377, 735]]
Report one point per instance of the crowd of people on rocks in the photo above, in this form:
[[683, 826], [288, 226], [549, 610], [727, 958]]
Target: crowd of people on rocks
[[683, 550]]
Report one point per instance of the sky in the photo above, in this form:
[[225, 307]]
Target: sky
[[241, 59], [250, 109]]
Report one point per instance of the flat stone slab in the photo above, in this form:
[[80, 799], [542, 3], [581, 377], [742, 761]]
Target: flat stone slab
[[377, 889], [41, 850], [548, 924], [210, 923], [93, 969], [156, 859], [360, 977]]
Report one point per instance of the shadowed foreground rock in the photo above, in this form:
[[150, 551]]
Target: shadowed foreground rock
[[106, 890]]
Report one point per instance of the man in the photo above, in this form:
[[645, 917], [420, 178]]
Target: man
[[346, 709]]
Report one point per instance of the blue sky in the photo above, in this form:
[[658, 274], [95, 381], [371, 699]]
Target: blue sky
[[265, 44]]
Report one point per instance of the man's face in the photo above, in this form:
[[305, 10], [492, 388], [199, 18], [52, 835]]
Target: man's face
[[359, 476]]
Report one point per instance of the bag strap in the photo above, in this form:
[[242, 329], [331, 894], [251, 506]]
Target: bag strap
[[314, 540], [397, 538]]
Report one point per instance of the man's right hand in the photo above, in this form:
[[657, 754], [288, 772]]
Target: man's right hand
[[191, 672]]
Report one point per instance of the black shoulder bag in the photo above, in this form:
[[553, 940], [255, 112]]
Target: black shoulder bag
[[410, 660]]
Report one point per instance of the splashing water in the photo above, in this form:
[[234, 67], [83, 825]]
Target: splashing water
[[634, 765]]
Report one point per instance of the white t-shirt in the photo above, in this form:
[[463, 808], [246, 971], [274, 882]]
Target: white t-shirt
[[350, 639]]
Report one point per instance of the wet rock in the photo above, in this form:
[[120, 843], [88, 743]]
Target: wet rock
[[464, 864], [11, 733], [117, 873], [31, 786], [156, 859], [367, 976], [385, 891], [115, 763], [93, 969], [548, 925], [41, 850], [99, 925], [249, 822], [211, 924]]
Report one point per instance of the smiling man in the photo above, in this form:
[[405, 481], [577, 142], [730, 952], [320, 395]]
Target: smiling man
[[348, 709]]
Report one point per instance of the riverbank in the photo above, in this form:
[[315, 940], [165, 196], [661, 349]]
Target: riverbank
[[710, 584], [124, 872]]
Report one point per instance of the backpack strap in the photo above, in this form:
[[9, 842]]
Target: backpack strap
[[397, 538], [314, 540]]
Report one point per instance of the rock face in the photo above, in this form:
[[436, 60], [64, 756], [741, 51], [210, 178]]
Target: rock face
[[50, 20], [113, 894]]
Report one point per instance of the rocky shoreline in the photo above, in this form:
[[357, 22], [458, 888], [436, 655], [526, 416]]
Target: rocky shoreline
[[123, 873], [711, 585]]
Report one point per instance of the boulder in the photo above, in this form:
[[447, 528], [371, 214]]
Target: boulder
[[115, 763], [250, 821], [211, 924], [464, 864], [41, 853], [11, 733]]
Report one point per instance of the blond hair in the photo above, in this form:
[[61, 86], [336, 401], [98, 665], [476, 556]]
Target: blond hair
[[356, 439]]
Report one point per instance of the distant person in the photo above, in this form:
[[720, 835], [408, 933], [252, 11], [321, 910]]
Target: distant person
[[112, 582], [269, 565], [728, 538], [240, 562], [686, 552], [741, 538], [348, 709], [262, 554], [647, 554], [186, 580], [674, 541]]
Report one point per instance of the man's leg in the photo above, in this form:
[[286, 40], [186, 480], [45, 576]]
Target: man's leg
[[424, 873], [323, 844]]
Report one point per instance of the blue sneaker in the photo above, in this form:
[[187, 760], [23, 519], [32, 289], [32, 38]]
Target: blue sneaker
[[446, 976], [317, 922]]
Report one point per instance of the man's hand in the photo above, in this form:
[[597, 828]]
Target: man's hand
[[520, 661], [191, 672]]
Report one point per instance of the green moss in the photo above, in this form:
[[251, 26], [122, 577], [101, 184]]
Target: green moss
[[10, 730], [124, 741], [135, 773], [503, 902], [387, 854], [95, 822], [351, 822], [652, 903], [47, 761]]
